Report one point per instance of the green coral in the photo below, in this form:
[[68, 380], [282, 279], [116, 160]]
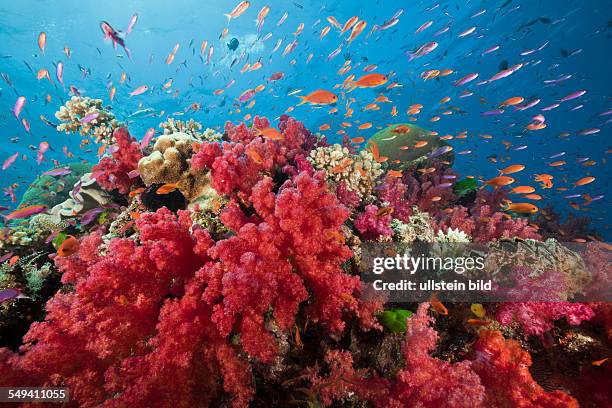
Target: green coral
[[52, 190], [393, 140]]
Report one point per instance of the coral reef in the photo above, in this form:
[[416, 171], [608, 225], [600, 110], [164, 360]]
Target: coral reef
[[238, 283], [87, 117]]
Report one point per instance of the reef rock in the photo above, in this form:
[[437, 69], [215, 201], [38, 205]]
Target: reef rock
[[52, 190], [85, 195]]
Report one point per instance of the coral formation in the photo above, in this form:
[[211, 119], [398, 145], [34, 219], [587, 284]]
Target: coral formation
[[51, 190], [87, 117], [169, 162]]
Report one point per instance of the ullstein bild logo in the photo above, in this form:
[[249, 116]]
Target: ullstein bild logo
[[506, 270]]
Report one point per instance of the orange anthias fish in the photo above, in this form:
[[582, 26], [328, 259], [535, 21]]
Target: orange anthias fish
[[349, 24], [523, 189], [584, 180], [499, 181], [515, 168], [512, 101], [437, 305], [545, 179], [371, 81], [319, 97], [69, 247], [522, 208], [270, 133], [238, 10], [166, 188]]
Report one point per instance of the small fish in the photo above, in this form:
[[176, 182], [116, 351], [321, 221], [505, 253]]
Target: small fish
[[166, 188], [522, 208], [59, 72], [62, 171], [478, 310], [422, 50], [132, 23], [89, 118], [585, 180], [467, 32], [515, 168], [437, 305], [140, 90], [26, 212], [18, 106], [69, 247], [238, 10], [573, 95], [42, 41], [466, 79], [319, 97], [9, 161], [10, 294], [147, 138], [424, 26]]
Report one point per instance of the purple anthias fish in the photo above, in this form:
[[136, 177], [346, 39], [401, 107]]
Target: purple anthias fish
[[62, 171], [493, 112], [445, 185], [10, 294], [89, 117], [573, 95], [466, 79], [422, 50], [439, 151], [111, 34], [91, 215]]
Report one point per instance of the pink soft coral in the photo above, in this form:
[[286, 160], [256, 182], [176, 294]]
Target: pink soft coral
[[113, 172], [503, 367], [373, 225], [538, 316]]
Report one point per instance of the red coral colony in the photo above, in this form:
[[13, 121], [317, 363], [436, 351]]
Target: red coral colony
[[250, 295]]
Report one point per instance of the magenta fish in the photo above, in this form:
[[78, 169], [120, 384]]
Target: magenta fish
[[467, 32], [491, 49], [246, 95], [335, 52], [210, 54], [62, 171], [147, 138], [573, 95], [10, 294], [131, 24], [90, 117], [139, 91], [19, 106], [466, 79], [26, 124], [424, 26], [59, 72], [111, 34], [422, 50], [282, 19], [7, 163]]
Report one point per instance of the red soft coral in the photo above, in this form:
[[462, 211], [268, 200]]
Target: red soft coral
[[113, 172], [503, 367], [426, 381]]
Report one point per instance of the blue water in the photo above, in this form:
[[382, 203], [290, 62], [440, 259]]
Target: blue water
[[575, 36]]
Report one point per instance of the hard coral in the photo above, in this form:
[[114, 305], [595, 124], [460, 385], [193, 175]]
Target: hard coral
[[113, 172], [170, 163], [73, 115]]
